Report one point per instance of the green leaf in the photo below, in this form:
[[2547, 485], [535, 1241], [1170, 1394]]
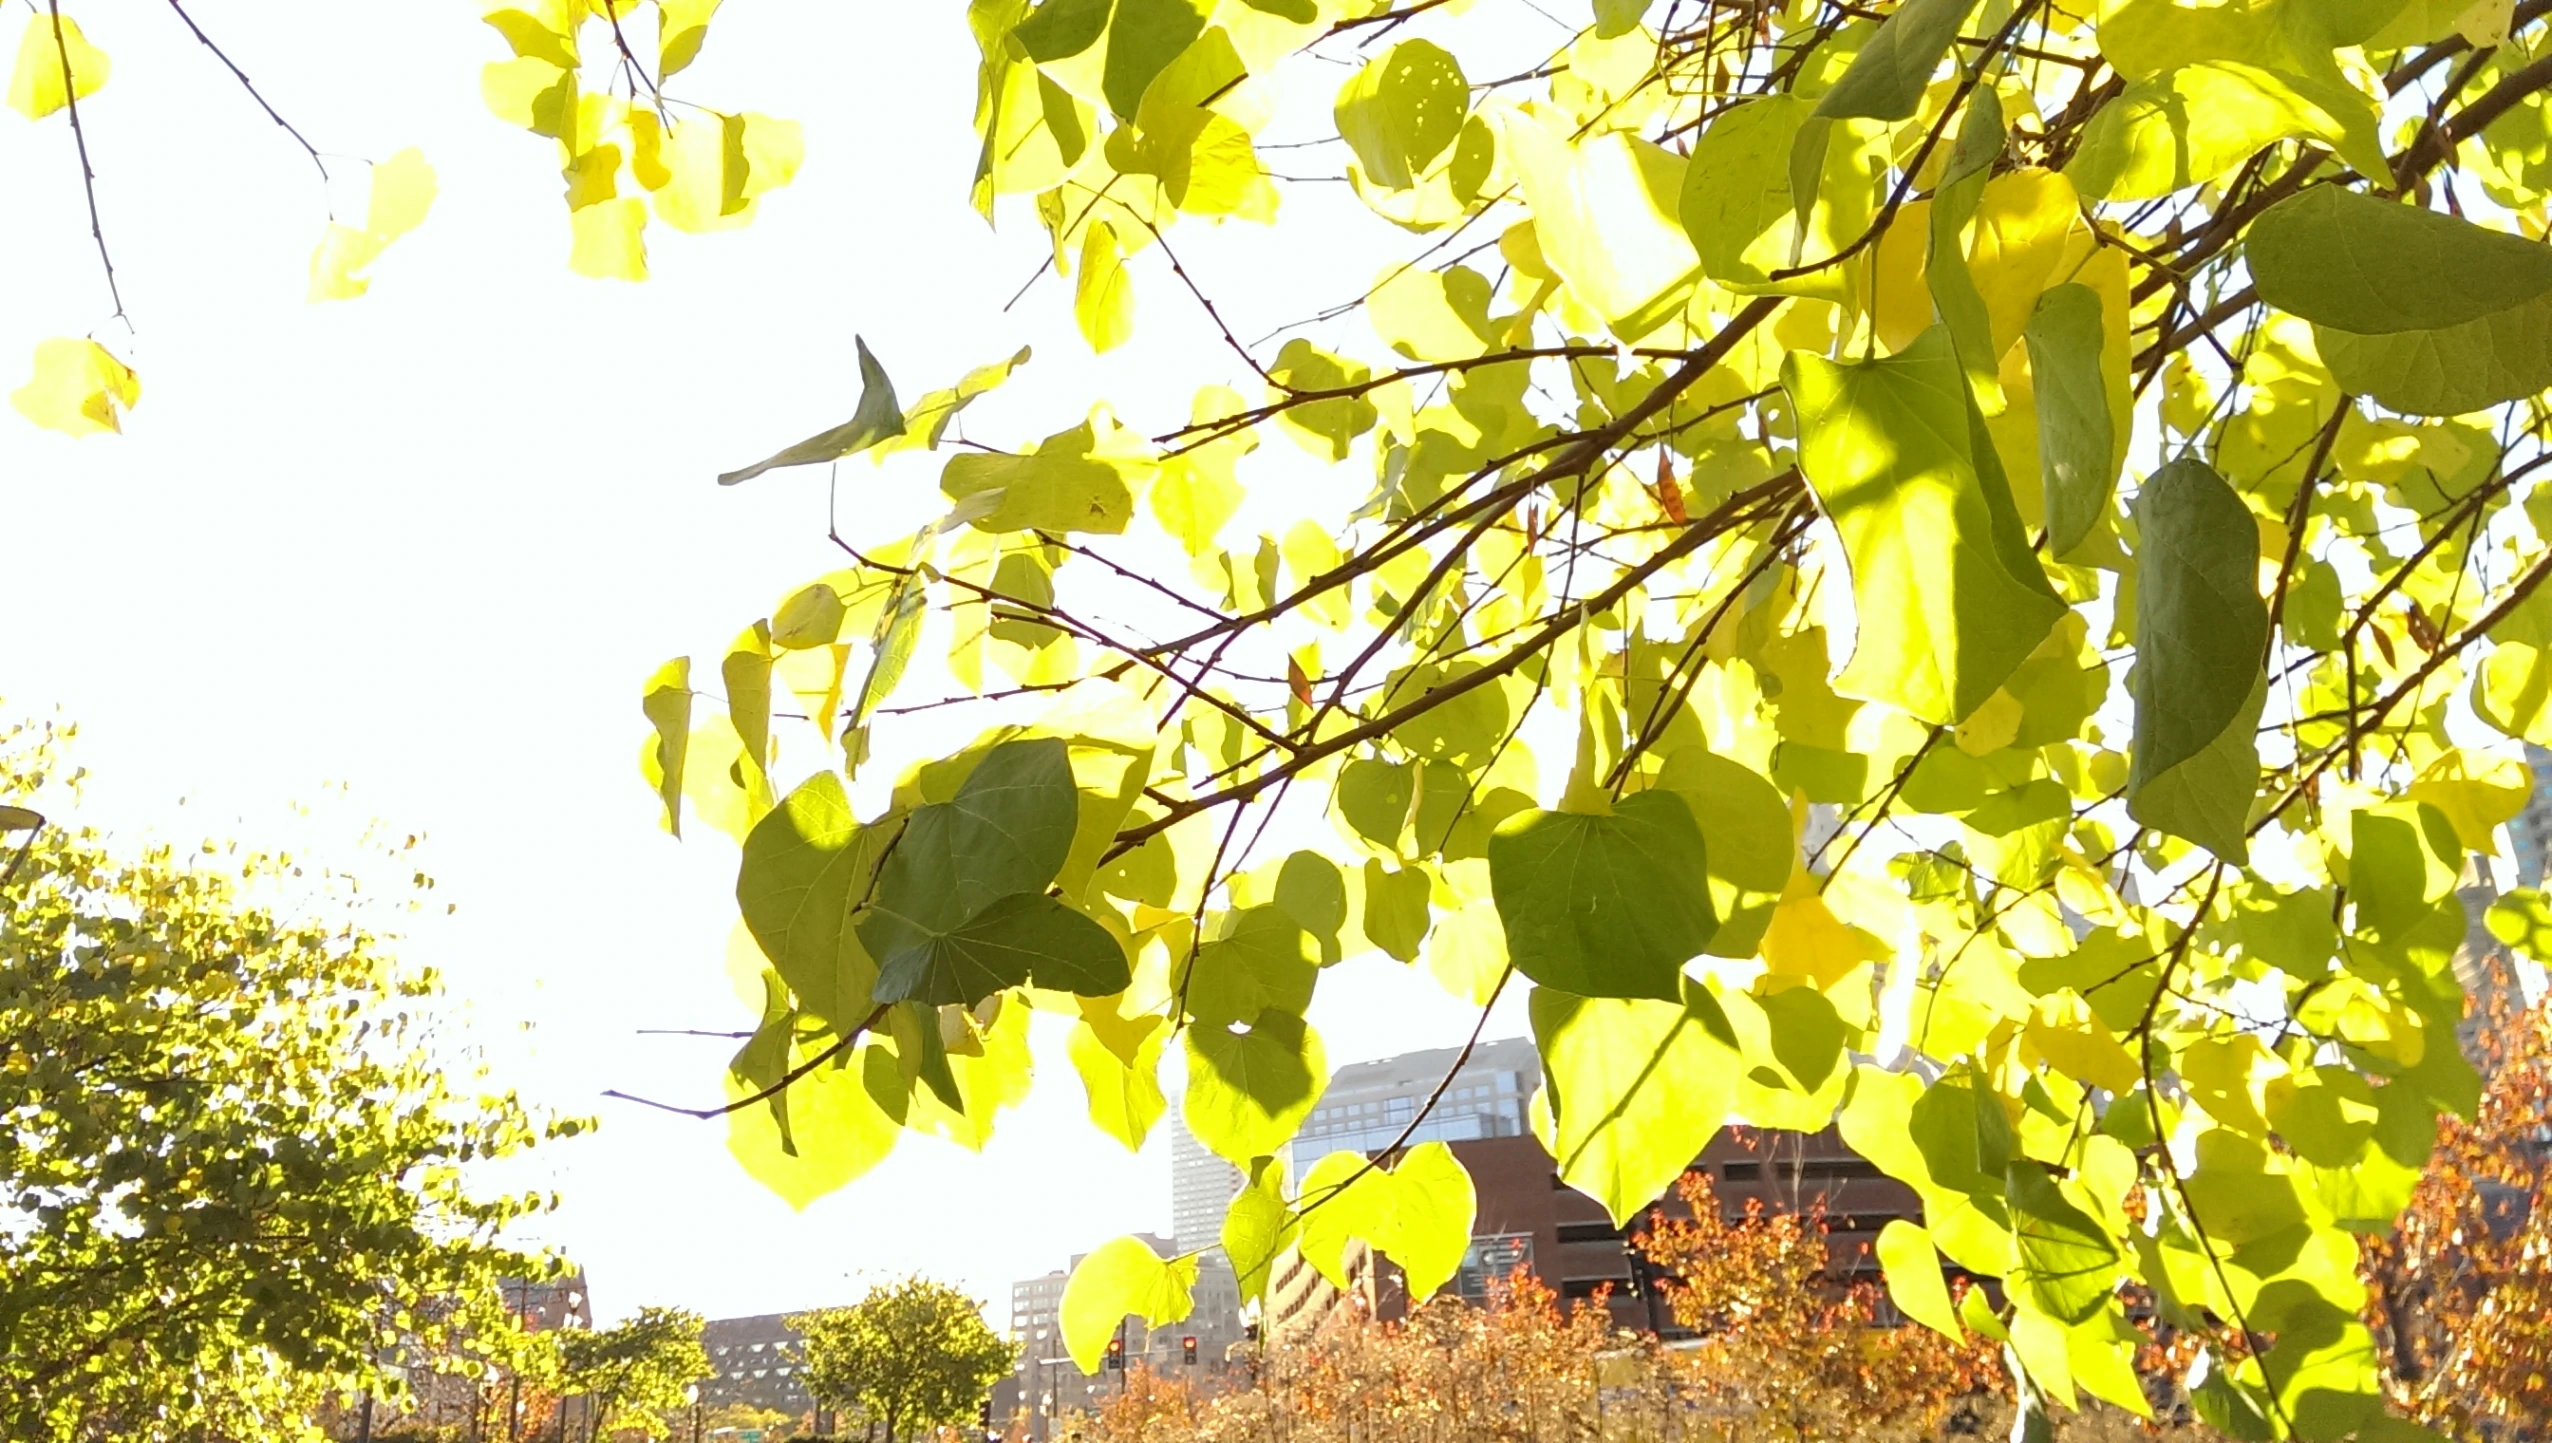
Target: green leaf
[[2354, 262], [2523, 920], [1949, 596], [1125, 1097], [1258, 1227], [1265, 963], [667, 703], [806, 867], [1418, 1212], [1913, 1273], [2427, 313], [1310, 890], [2068, 1264], [899, 630], [1144, 36], [1069, 483], [1604, 906], [2077, 437], [1955, 297], [1326, 428], [1121, 1277], [1736, 201], [2190, 125], [1635, 1089], [1005, 832], [2201, 652], [1248, 1091], [1746, 835], [1887, 79], [1396, 910], [1402, 110], [877, 418], [2504, 356], [1022, 939], [927, 420]]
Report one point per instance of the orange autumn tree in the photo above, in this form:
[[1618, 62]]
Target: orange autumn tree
[[2461, 1292], [1787, 1340]]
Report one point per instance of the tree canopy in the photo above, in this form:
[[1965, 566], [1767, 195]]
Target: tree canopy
[[912, 1356], [635, 1372], [1967, 567], [233, 1143]]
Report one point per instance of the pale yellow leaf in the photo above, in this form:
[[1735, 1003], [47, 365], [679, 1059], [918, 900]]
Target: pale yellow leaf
[[610, 240], [78, 388], [35, 85]]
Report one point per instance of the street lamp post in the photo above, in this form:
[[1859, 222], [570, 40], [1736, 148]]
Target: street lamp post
[[691, 1395]]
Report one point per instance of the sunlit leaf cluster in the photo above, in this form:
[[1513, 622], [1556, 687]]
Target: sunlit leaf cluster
[[1970, 569]]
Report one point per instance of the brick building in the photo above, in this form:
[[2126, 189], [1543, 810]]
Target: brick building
[[1528, 1218]]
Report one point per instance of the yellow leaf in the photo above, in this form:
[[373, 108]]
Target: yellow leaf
[[2023, 222], [681, 27], [1990, 727], [704, 164], [342, 252], [610, 240], [772, 148], [542, 28], [534, 94], [2234, 1079], [402, 191], [1806, 940], [78, 388], [593, 176], [35, 86], [1103, 299], [647, 149], [2065, 1034], [2477, 792]]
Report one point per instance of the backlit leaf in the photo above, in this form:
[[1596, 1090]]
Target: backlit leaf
[[1949, 597], [79, 387], [876, 418], [2202, 641], [1119, 1278], [1604, 906]]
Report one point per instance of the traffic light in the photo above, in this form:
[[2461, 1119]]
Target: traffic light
[[1116, 1355], [1187, 1347]]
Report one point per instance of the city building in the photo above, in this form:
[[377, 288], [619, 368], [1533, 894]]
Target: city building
[[1201, 1187], [1528, 1219], [2531, 831], [1368, 1105], [563, 1301], [759, 1361]]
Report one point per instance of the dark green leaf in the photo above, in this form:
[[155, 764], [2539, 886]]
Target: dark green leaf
[[1887, 79], [1022, 939], [1604, 906], [877, 418], [2201, 651], [1006, 831], [2077, 437]]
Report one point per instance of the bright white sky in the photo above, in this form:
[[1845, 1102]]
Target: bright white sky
[[427, 544]]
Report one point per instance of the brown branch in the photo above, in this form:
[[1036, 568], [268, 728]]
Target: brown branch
[[80, 141], [841, 1045], [1740, 510], [251, 87]]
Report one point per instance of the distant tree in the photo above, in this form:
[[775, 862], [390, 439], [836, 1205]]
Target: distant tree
[[2461, 1291], [1784, 1340], [230, 1147], [913, 1355], [635, 1370]]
